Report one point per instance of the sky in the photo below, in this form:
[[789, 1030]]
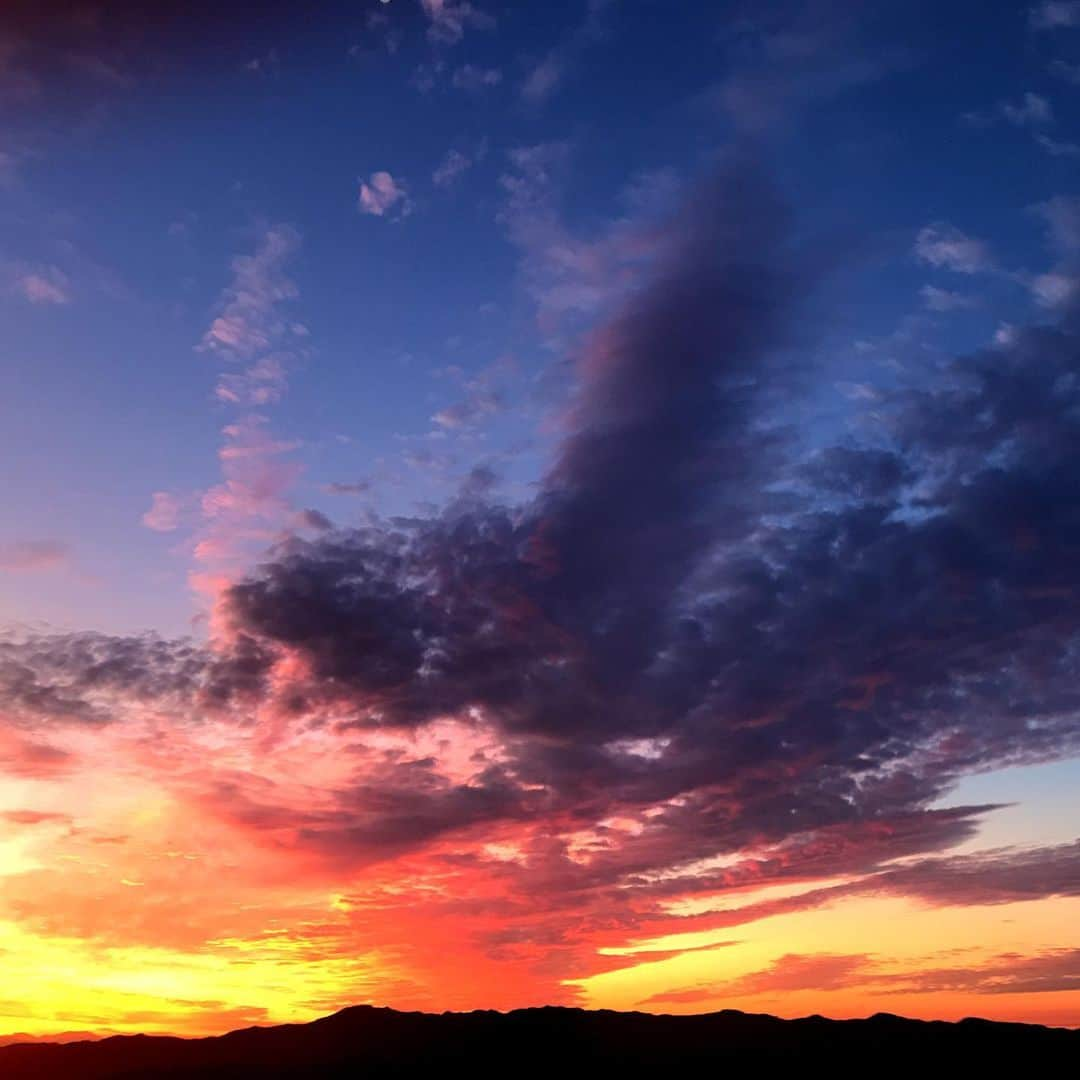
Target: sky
[[511, 504]]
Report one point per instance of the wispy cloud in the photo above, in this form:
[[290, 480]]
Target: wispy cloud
[[945, 300], [451, 169], [33, 555], [1054, 15], [547, 75], [1032, 110], [1057, 147], [475, 79], [945, 247], [449, 19], [43, 285]]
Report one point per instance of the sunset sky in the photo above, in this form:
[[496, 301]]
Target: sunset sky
[[515, 503]]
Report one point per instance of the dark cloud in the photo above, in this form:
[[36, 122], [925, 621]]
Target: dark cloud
[[89, 677], [314, 520], [668, 619], [995, 877], [552, 615], [832, 656]]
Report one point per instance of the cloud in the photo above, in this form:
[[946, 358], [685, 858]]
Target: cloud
[[267, 63], [1056, 147], [1005, 973], [451, 169], [165, 511], [573, 276], [545, 78], [1062, 217], [483, 399], [1054, 289], [1054, 15], [47, 285], [604, 610], [944, 300], [351, 487], [256, 332], [466, 413], [264, 382], [1004, 876], [1031, 111], [1068, 72], [945, 247], [97, 679], [474, 79], [782, 58], [449, 19], [250, 322], [32, 555], [693, 661], [33, 760], [381, 195], [34, 817], [314, 520], [790, 973], [793, 972]]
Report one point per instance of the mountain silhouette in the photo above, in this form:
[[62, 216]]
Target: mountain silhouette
[[364, 1041], [55, 1037]]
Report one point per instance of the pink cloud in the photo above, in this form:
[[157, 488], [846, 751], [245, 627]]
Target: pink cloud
[[250, 321], [48, 286], [164, 513], [31, 555], [381, 194]]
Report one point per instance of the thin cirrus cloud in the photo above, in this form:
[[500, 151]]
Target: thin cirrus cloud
[[475, 80], [1054, 15], [547, 76], [451, 169], [22, 556]]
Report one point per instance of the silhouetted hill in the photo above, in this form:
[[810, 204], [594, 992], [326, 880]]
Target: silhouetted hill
[[371, 1042], [58, 1037]]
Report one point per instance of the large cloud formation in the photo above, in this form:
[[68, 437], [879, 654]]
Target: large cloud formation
[[683, 612], [693, 643]]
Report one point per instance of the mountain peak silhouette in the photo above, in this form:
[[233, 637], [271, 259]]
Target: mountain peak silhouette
[[369, 1040]]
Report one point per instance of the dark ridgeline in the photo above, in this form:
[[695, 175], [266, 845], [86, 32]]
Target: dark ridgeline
[[366, 1041]]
